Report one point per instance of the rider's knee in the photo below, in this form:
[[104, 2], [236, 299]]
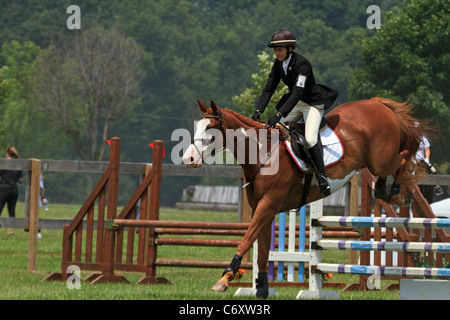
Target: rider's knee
[[311, 139]]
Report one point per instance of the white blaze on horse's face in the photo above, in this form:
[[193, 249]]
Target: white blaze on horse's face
[[193, 157]]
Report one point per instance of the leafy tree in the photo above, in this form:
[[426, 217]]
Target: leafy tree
[[14, 82], [85, 88], [409, 59], [19, 118], [190, 49], [246, 101]]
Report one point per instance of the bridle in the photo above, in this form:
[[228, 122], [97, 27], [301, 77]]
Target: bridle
[[219, 117], [221, 128]]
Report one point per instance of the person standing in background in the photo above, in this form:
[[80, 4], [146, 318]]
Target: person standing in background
[[42, 201], [8, 186]]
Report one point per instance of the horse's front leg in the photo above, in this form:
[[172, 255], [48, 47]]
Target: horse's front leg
[[262, 217], [262, 282]]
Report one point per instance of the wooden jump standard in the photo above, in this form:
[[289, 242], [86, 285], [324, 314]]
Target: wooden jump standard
[[108, 256]]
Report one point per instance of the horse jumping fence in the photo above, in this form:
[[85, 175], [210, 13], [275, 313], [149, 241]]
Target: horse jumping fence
[[111, 242]]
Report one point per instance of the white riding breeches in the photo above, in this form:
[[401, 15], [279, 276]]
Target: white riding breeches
[[312, 117]]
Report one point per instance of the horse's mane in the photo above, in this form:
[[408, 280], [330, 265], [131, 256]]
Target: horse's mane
[[246, 121]]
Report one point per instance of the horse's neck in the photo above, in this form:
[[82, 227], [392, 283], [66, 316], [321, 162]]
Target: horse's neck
[[236, 121], [250, 129]]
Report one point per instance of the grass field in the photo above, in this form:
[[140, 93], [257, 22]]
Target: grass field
[[187, 283]]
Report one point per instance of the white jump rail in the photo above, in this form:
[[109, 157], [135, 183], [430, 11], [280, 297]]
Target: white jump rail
[[317, 268]]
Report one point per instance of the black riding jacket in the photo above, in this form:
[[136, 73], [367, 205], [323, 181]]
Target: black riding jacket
[[302, 86]]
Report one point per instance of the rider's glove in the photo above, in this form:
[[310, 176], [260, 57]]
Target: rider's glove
[[274, 119], [256, 115]]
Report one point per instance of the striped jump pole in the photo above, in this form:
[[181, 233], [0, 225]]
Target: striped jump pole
[[384, 271], [271, 264], [281, 239], [290, 256], [384, 246], [301, 243], [315, 257], [317, 267], [382, 222]]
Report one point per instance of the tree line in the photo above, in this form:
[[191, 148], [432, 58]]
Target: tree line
[[135, 68]]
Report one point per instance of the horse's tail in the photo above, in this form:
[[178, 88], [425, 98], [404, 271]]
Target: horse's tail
[[412, 132]]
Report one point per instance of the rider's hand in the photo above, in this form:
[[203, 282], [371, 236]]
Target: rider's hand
[[274, 119], [256, 115]]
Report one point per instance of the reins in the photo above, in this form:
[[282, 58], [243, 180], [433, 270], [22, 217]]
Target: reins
[[220, 127]]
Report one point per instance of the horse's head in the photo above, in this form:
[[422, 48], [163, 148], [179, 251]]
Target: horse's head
[[207, 136]]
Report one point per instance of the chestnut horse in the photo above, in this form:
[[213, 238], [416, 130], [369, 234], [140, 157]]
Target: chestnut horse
[[378, 133]]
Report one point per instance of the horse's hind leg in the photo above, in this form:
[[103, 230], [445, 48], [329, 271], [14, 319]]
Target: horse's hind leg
[[380, 188], [399, 177]]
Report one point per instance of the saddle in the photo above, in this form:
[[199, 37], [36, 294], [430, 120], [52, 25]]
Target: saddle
[[295, 133]]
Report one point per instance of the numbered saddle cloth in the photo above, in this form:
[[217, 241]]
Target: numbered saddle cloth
[[333, 151]]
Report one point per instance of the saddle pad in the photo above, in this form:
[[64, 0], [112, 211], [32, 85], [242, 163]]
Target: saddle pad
[[333, 151]]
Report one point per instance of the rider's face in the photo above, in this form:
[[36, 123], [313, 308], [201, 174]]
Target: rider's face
[[280, 53]]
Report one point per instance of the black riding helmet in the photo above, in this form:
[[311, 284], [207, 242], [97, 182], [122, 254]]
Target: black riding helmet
[[283, 38]]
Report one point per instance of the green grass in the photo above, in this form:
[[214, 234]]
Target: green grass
[[187, 283]]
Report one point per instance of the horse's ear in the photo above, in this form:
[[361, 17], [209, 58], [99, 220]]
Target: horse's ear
[[214, 106], [203, 107]]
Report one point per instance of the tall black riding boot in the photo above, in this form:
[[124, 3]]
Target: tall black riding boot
[[316, 156]]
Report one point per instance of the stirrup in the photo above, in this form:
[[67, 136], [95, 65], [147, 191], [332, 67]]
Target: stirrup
[[324, 186]]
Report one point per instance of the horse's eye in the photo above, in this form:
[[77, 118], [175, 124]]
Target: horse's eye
[[213, 138]]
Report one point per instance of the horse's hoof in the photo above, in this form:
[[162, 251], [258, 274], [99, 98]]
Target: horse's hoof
[[219, 287], [398, 200]]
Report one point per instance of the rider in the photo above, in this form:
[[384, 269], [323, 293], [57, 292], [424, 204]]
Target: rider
[[305, 99]]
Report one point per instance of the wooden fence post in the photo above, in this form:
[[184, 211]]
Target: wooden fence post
[[33, 221]]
